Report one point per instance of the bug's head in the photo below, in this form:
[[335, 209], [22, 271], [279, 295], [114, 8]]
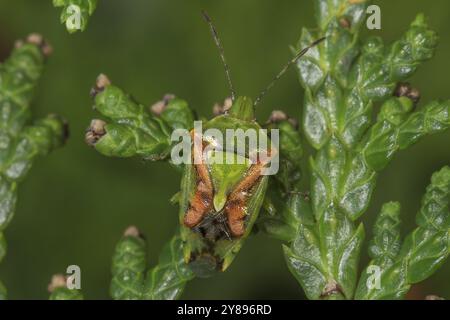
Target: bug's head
[[242, 108]]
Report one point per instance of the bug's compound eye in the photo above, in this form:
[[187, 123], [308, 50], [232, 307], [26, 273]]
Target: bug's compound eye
[[219, 109]]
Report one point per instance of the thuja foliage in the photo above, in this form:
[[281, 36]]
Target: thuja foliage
[[131, 280], [74, 12], [130, 277], [358, 112], [22, 137], [345, 80]]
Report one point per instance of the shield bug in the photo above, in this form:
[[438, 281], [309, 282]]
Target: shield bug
[[220, 200]]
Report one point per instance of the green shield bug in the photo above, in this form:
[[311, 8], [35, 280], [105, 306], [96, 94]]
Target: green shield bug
[[220, 200]]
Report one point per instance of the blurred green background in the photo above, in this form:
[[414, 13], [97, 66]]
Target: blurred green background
[[75, 204]]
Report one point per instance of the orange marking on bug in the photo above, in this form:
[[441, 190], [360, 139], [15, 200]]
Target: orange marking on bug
[[199, 205], [201, 202], [237, 201]]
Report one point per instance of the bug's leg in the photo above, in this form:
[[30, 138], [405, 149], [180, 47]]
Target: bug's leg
[[225, 230], [201, 202], [221, 222]]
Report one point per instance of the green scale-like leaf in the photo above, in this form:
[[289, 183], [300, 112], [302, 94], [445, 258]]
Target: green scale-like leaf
[[128, 269], [85, 8], [324, 257], [133, 131], [178, 115], [385, 245], [166, 281], [397, 129], [290, 213]]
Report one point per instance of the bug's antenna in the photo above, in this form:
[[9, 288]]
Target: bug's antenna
[[221, 52], [285, 68]]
